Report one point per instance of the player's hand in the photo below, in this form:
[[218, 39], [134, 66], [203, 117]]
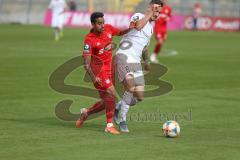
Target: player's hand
[[98, 81], [155, 7], [147, 66]]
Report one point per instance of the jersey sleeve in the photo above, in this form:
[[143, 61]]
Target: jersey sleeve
[[136, 17], [168, 12], [114, 31], [87, 48]]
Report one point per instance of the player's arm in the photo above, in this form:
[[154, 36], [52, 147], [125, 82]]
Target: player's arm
[[122, 32], [118, 32], [87, 58], [140, 23], [145, 56], [168, 14], [87, 62]]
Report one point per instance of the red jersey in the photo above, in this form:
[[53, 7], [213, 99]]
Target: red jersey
[[161, 23], [99, 47]]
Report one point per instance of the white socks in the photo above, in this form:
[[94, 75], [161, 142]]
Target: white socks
[[109, 125], [124, 110]]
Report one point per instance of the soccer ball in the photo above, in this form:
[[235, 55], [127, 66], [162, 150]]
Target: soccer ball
[[171, 129]]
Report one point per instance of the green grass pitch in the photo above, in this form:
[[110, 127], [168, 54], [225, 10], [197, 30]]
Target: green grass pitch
[[206, 79]]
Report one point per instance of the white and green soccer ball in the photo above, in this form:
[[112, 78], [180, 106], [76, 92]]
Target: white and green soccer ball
[[171, 129]]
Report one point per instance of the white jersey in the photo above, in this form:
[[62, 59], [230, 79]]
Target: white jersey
[[57, 6], [137, 40]]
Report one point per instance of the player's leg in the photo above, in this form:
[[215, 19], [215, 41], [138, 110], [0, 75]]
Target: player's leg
[[105, 90], [108, 98], [126, 78], [60, 25], [85, 113], [127, 100], [55, 26], [139, 84], [158, 47], [134, 92], [57, 33]]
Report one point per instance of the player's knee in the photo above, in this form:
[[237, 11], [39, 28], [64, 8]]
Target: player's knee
[[108, 98], [131, 89], [140, 98], [111, 92]]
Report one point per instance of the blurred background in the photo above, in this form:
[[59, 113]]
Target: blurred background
[[33, 11], [203, 67]]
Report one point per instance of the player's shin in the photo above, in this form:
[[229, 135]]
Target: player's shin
[[127, 101], [158, 48], [109, 103], [97, 107]]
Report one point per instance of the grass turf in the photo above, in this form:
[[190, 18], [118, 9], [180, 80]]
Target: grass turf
[[205, 75]]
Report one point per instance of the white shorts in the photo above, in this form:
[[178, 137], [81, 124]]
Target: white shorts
[[124, 69], [57, 21]]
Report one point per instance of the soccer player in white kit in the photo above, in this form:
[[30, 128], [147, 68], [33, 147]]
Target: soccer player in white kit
[[128, 61], [58, 7]]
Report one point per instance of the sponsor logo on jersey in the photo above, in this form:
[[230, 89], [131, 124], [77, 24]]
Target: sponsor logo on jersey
[[107, 81]]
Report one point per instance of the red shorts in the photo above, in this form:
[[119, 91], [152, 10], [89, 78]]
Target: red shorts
[[161, 35], [106, 82]]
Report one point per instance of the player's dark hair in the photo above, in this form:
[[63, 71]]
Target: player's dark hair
[[157, 2], [95, 16]]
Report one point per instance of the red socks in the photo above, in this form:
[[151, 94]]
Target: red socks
[[98, 107], [108, 103], [158, 48]]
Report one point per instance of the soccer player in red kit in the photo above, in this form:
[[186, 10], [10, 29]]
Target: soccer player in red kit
[[160, 30], [97, 57]]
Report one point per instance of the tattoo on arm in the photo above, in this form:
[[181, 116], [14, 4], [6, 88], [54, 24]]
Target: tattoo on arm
[[145, 55]]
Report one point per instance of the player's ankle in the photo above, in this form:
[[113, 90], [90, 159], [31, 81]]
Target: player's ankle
[[109, 125]]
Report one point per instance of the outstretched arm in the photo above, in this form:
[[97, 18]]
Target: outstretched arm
[[125, 31]]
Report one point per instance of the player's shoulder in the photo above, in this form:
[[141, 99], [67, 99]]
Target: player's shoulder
[[108, 27], [167, 7], [166, 10], [137, 16], [89, 37]]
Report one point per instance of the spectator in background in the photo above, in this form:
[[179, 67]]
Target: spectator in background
[[72, 5], [197, 11], [57, 7]]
